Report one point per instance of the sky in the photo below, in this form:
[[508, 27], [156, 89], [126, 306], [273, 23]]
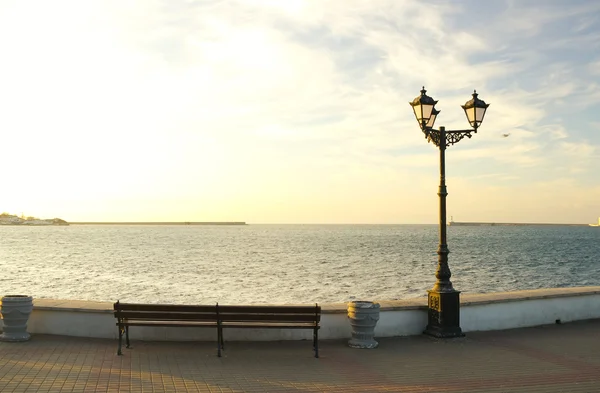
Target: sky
[[296, 111]]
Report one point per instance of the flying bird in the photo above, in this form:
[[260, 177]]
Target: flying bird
[[505, 135]]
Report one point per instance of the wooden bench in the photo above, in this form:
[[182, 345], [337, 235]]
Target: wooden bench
[[169, 315], [270, 317], [218, 317]]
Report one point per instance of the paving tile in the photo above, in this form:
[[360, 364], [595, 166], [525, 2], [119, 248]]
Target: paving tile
[[557, 358]]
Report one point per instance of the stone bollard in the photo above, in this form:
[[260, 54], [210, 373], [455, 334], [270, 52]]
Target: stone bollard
[[363, 316], [15, 311]]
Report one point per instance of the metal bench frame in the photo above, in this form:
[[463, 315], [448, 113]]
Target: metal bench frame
[[270, 317], [165, 315], [218, 317]]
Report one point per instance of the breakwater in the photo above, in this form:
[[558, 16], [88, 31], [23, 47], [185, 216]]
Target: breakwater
[[159, 223], [508, 224]]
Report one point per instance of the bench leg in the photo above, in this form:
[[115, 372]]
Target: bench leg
[[219, 341], [127, 337], [316, 342], [120, 340]]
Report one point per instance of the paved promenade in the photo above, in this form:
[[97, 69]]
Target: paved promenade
[[556, 358]]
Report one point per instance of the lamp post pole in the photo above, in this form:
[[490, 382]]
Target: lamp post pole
[[443, 300], [443, 272]]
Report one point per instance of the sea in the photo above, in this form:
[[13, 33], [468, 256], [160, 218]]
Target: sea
[[257, 264]]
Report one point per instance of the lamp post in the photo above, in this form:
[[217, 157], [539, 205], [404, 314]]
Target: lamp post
[[443, 300]]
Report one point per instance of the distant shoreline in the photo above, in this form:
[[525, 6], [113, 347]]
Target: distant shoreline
[[160, 223]]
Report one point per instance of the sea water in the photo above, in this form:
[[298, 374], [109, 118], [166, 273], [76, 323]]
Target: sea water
[[287, 263]]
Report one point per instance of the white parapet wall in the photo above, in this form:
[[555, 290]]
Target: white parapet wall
[[492, 311], [509, 310]]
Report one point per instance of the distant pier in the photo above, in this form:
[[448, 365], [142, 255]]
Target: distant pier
[[507, 224], [159, 223]]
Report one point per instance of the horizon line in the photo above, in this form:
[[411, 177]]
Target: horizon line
[[242, 223]]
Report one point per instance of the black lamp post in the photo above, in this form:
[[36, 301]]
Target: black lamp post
[[443, 299]]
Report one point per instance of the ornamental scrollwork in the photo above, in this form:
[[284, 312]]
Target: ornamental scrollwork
[[452, 137], [433, 136]]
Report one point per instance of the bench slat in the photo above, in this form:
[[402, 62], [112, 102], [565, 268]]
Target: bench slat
[[273, 325], [163, 307], [269, 317], [162, 316], [269, 309], [170, 323]]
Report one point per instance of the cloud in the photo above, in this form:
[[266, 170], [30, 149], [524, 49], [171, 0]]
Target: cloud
[[594, 67]]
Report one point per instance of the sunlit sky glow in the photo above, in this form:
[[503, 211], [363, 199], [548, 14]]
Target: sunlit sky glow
[[296, 111]]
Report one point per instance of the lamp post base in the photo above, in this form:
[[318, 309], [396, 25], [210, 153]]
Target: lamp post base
[[444, 314]]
